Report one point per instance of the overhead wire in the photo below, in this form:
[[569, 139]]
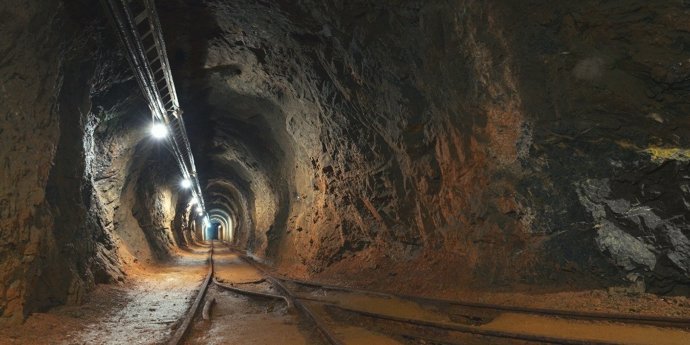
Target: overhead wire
[[140, 31]]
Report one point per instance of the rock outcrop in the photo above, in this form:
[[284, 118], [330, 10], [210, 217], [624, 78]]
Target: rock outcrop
[[77, 161], [427, 137]]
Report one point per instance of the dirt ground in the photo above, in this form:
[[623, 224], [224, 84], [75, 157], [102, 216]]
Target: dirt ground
[[238, 319], [509, 322], [144, 310], [441, 281]]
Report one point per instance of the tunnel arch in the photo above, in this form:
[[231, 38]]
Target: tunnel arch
[[225, 219], [237, 203]]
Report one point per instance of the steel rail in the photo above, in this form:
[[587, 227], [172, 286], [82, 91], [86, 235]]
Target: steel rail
[[652, 320], [251, 293], [474, 330], [182, 331], [424, 323], [329, 336]]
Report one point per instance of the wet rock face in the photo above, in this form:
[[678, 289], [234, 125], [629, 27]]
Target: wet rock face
[[430, 136]]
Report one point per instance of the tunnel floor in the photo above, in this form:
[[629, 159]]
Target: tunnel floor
[[151, 305], [140, 311]]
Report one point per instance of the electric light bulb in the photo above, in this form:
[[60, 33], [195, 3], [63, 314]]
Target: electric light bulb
[[159, 130], [186, 183]]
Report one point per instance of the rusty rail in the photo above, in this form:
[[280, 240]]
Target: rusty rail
[[473, 330], [320, 324], [652, 320], [251, 293], [183, 329]]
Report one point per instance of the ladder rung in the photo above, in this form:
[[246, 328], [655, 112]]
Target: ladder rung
[[156, 64], [150, 54], [147, 34], [141, 16]]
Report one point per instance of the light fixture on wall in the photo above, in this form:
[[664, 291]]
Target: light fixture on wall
[[159, 130], [186, 183]]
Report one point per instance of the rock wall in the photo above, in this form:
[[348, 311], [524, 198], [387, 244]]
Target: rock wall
[[36, 109], [156, 200], [72, 124], [423, 138], [464, 143], [603, 84]]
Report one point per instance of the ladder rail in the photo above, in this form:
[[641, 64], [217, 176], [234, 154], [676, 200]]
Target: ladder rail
[[159, 91]]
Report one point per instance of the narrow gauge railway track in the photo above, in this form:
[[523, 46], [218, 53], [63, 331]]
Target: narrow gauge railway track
[[651, 320], [186, 322], [333, 340], [421, 327]]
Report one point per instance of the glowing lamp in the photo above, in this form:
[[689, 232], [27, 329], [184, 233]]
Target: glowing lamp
[[186, 183], [159, 130]]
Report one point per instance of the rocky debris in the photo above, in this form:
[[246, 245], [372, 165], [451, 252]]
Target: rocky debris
[[641, 226], [627, 251]]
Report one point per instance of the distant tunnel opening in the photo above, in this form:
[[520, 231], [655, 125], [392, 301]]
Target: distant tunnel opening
[[213, 230]]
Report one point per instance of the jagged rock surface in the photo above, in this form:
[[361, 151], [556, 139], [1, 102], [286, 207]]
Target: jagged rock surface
[[70, 127], [411, 145], [426, 137]]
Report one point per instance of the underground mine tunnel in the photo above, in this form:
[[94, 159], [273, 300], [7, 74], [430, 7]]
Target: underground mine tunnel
[[344, 172]]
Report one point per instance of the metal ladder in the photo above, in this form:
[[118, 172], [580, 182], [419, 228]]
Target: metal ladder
[[140, 30]]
